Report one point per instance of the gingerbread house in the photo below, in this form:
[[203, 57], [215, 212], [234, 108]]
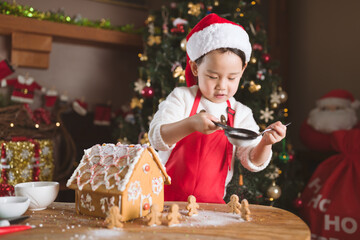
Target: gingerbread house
[[128, 176]]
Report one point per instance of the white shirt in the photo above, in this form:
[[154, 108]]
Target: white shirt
[[178, 105]]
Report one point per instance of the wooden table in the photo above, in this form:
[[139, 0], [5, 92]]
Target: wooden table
[[60, 221]]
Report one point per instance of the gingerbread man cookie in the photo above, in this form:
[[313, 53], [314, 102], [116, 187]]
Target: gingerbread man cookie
[[114, 218], [174, 216], [234, 204], [154, 216], [192, 206], [245, 211]]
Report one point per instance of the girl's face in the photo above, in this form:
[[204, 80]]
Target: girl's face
[[218, 75]]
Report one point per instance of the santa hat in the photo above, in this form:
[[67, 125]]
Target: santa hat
[[80, 107], [211, 33], [338, 97], [5, 69]]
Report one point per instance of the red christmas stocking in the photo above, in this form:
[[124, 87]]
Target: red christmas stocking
[[102, 115]]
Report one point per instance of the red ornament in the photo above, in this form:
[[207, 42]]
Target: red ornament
[[266, 57], [298, 202], [147, 92], [257, 46], [178, 29]]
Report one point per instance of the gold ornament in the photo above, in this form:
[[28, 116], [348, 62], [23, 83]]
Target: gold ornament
[[183, 44], [253, 60], [154, 40], [254, 87], [274, 191], [262, 126], [143, 57], [216, 3], [150, 19], [123, 140], [180, 73], [136, 103], [194, 9], [274, 105], [145, 139], [283, 95], [286, 112]]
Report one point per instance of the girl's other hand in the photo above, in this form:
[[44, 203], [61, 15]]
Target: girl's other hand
[[276, 135]]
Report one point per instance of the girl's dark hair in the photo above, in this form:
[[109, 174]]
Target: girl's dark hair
[[238, 52]]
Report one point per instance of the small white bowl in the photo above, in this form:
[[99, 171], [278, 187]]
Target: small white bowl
[[13, 206], [41, 194]]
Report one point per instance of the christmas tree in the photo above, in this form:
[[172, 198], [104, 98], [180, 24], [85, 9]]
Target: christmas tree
[[163, 69]]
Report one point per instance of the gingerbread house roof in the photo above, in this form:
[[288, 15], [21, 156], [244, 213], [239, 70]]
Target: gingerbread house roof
[[108, 167]]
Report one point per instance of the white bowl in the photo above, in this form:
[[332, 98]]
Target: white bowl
[[41, 194], [13, 206]]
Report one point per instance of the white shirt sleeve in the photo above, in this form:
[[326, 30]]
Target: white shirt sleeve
[[244, 119], [173, 109]]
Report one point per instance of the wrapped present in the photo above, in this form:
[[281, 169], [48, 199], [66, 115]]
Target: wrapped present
[[26, 160]]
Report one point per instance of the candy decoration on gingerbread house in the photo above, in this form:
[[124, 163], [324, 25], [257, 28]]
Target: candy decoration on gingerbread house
[[128, 176]]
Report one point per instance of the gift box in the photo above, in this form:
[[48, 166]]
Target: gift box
[[25, 161]]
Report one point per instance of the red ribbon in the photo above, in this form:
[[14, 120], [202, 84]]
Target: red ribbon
[[3, 163], [5, 188]]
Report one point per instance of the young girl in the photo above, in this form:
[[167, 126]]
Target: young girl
[[197, 155]]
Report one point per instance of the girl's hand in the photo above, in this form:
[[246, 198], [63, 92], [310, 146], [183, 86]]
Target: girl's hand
[[202, 122], [276, 135]]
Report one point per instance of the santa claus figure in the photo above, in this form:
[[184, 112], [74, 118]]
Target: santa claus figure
[[334, 111]]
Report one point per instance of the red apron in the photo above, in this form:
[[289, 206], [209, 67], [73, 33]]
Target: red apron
[[199, 163]]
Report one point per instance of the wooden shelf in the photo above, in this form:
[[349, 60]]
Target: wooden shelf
[[32, 38], [10, 24]]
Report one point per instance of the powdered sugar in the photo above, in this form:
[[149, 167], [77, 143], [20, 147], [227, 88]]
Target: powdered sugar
[[208, 218], [105, 233]]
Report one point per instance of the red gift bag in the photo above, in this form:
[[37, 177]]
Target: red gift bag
[[331, 200]]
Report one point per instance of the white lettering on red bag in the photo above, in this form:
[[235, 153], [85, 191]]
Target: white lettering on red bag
[[347, 224], [316, 237], [317, 201], [315, 184]]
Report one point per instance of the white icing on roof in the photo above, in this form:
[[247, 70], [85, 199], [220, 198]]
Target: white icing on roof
[[107, 165]]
